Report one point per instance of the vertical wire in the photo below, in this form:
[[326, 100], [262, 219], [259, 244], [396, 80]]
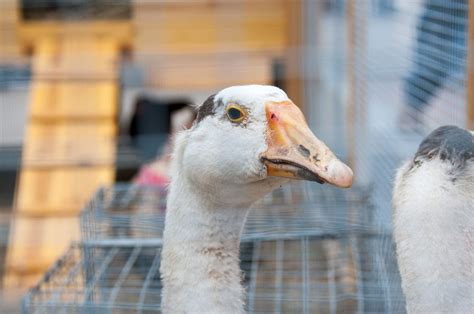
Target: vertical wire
[[304, 274], [359, 275], [253, 276], [280, 255], [470, 68]]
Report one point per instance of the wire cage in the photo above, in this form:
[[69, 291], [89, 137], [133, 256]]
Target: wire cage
[[307, 274], [126, 212], [304, 249]]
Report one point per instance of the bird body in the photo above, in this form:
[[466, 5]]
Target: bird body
[[434, 224], [244, 144]]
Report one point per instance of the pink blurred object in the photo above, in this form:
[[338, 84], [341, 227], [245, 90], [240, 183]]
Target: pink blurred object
[[154, 178], [156, 173], [148, 177]]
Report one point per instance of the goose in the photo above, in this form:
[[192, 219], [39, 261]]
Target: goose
[[433, 217], [245, 142]]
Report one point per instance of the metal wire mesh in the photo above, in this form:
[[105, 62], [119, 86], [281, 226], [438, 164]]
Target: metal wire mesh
[[405, 77], [124, 212], [130, 211], [345, 275], [435, 84], [99, 279], [351, 274], [304, 249], [415, 62]]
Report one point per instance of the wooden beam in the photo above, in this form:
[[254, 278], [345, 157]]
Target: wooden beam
[[356, 102], [351, 63], [9, 48], [225, 27], [293, 69], [69, 147], [121, 33]]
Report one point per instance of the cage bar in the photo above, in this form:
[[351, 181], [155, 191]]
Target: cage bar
[[297, 255]]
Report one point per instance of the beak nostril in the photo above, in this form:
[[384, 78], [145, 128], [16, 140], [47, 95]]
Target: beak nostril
[[304, 151], [273, 116]]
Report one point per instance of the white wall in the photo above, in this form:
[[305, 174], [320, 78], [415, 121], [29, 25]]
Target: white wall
[[13, 116]]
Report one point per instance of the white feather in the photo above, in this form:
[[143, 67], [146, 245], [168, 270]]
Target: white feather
[[434, 235], [251, 94]]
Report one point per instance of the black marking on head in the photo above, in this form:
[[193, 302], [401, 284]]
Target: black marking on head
[[304, 151], [206, 109], [416, 163], [447, 143]]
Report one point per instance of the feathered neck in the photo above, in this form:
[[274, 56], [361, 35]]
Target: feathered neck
[[200, 259]]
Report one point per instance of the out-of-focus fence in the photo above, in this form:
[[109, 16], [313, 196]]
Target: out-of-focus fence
[[403, 71]]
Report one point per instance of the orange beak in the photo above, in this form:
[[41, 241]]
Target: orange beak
[[294, 152]]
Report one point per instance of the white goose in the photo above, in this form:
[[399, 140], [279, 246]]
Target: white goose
[[434, 223], [247, 141]]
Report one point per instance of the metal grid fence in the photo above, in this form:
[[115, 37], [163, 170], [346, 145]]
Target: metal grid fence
[[124, 212], [304, 249], [412, 62], [406, 75], [134, 212], [352, 274]]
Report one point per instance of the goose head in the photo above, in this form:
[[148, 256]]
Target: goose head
[[248, 140]]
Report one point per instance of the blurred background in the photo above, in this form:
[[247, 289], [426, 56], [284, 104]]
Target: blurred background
[[91, 93]]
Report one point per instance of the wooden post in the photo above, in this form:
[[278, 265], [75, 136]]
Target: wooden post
[[351, 63], [9, 49], [356, 63], [69, 148], [470, 68], [294, 75]]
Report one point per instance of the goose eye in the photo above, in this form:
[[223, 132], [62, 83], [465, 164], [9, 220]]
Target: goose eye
[[235, 114]]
